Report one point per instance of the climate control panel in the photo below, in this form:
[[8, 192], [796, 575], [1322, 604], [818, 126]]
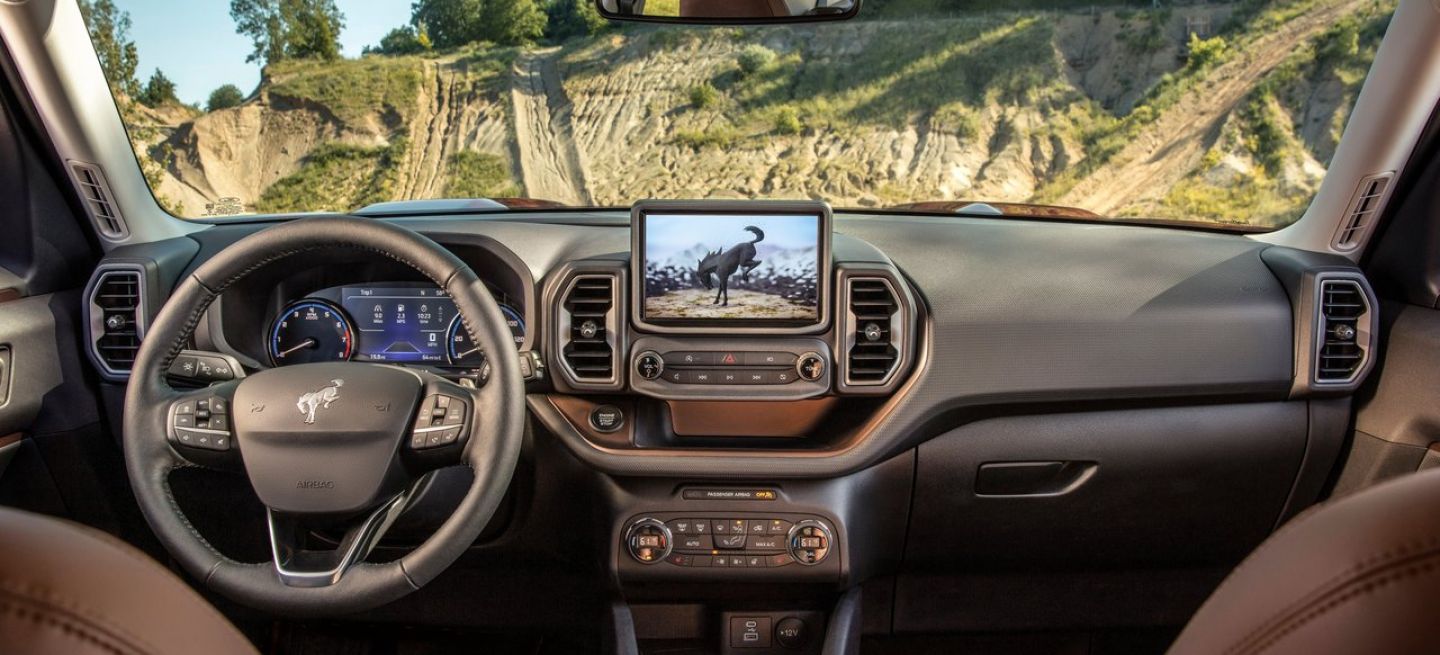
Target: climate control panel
[[669, 542]]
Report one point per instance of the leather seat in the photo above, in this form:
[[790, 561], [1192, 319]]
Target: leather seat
[[65, 588], [1357, 575]]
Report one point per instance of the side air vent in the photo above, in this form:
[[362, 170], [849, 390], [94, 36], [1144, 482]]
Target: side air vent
[[1343, 332], [874, 331], [117, 322], [588, 326], [1362, 212], [99, 202]]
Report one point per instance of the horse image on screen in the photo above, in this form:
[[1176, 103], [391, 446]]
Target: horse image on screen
[[756, 267]]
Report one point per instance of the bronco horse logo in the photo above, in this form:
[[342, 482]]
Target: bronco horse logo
[[321, 399]]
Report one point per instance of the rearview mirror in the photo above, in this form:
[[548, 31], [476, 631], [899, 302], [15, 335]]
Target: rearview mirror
[[728, 11]]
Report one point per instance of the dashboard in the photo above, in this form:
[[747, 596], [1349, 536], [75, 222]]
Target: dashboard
[[1043, 393]]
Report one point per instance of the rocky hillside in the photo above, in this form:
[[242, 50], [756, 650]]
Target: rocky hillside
[[1117, 111]]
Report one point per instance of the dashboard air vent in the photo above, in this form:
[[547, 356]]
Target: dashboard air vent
[[1361, 213], [98, 201], [116, 319], [1343, 331], [588, 326], [873, 351]]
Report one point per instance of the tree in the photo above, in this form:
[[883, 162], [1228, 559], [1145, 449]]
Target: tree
[[406, 40], [158, 91], [572, 18], [513, 22], [450, 23], [289, 29], [110, 33], [224, 97]]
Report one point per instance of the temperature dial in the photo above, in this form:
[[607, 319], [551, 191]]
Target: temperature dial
[[648, 541]]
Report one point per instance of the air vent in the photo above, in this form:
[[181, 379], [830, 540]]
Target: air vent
[[116, 319], [1363, 209], [1343, 331], [99, 201], [874, 331], [588, 325]]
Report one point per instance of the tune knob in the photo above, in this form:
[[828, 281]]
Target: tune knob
[[809, 542], [648, 541], [810, 366], [649, 365]]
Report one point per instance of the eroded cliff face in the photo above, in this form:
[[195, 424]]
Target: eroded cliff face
[[1104, 110]]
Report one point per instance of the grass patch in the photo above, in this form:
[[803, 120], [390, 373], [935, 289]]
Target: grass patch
[[480, 175], [351, 89], [336, 177]]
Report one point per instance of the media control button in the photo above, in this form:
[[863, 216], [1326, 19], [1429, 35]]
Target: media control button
[[677, 376]]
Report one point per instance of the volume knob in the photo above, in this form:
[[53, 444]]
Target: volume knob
[[810, 366], [649, 365]]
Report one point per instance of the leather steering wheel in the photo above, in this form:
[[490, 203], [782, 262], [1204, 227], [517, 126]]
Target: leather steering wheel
[[336, 446]]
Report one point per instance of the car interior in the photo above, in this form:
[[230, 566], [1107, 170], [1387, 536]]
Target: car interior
[[682, 385]]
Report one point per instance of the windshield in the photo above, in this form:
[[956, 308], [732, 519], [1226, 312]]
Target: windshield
[[1216, 112]]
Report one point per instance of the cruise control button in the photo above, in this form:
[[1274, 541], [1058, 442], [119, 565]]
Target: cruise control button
[[219, 405], [184, 420], [221, 423], [187, 407]]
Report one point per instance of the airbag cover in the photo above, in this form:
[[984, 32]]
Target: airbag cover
[[324, 438]]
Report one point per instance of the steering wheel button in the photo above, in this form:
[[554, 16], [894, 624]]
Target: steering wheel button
[[219, 406], [221, 423], [186, 407], [449, 436], [442, 402], [184, 420]]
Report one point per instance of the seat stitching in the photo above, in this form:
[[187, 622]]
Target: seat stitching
[[1414, 570], [1359, 568], [20, 598]]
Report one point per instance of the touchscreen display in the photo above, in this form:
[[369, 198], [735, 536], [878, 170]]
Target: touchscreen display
[[731, 268], [399, 324]]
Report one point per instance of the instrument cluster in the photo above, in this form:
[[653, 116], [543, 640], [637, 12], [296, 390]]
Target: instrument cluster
[[399, 323]]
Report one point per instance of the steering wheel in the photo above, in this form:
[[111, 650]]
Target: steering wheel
[[335, 446]]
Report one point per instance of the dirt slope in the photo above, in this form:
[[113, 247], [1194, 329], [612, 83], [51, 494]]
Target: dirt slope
[[1171, 146], [550, 165]]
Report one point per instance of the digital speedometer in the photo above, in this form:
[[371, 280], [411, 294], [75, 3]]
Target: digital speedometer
[[311, 331], [464, 352]]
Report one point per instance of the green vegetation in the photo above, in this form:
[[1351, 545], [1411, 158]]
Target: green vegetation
[[480, 175], [754, 57], [353, 89], [455, 23], [110, 32], [403, 40], [787, 120], [289, 29], [224, 97], [158, 92], [569, 19], [662, 7], [337, 176], [703, 95]]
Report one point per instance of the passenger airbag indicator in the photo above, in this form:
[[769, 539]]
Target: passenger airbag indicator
[[728, 494]]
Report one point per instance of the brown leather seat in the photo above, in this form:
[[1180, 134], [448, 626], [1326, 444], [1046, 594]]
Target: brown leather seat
[[65, 588], [1358, 575]]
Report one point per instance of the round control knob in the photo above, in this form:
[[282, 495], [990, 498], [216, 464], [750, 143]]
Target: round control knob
[[809, 542], [810, 367], [649, 365], [648, 541]]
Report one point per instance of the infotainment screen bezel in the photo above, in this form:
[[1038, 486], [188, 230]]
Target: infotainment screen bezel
[[701, 208]]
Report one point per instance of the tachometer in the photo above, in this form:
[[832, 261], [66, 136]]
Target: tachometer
[[311, 331], [464, 352]]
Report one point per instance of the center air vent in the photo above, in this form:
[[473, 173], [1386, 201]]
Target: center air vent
[[874, 344], [588, 325], [1343, 331], [116, 319]]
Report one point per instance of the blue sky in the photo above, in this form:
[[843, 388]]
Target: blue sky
[[665, 235], [195, 43]]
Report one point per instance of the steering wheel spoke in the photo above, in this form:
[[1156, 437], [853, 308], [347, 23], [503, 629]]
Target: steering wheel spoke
[[444, 423], [200, 425], [299, 566]]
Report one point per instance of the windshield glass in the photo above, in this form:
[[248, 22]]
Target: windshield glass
[[1221, 112]]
